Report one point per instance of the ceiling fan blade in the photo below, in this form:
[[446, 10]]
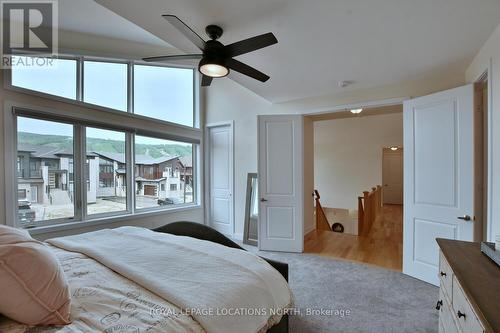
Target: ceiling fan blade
[[206, 81], [247, 70], [186, 31], [174, 57], [251, 44]]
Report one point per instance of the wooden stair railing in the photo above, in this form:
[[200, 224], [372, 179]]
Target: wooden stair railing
[[369, 209], [321, 220]]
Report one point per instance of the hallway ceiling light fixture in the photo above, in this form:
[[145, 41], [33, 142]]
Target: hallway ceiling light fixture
[[394, 148], [356, 111]]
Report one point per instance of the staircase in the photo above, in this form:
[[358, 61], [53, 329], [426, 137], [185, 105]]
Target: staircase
[[321, 219], [369, 209], [60, 197]]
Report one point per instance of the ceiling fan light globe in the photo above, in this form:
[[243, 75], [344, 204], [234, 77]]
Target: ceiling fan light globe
[[214, 70]]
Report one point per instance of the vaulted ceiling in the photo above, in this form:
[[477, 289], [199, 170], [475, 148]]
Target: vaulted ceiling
[[321, 42]]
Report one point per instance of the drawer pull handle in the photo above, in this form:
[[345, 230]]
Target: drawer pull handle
[[439, 304], [443, 274], [460, 314]]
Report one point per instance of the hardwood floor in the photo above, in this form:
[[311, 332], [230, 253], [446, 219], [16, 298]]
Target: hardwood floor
[[382, 247]]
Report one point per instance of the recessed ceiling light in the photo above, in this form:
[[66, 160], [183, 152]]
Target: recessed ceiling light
[[394, 148], [356, 111]]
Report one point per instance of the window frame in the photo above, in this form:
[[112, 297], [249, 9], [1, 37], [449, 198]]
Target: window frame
[[80, 61], [107, 118]]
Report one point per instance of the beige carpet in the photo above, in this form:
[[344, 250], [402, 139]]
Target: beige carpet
[[378, 300]]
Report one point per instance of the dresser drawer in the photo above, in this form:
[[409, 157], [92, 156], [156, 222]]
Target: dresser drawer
[[445, 276], [446, 322], [463, 312]]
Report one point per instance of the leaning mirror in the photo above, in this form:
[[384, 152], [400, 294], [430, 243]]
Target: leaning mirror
[[250, 234]]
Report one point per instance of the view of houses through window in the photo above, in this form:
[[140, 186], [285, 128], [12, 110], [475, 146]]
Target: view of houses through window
[[44, 171], [107, 171], [163, 172], [46, 182]]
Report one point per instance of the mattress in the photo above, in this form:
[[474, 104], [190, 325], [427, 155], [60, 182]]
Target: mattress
[[106, 302]]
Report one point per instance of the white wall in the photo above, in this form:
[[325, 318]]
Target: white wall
[[489, 55], [348, 156], [227, 100]]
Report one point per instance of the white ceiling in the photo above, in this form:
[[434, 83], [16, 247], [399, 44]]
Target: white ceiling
[[87, 16], [369, 42]]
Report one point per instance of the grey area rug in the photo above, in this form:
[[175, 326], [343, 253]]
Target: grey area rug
[[378, 300]]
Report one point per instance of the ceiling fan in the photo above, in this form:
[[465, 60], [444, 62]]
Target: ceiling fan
[[217, 59]]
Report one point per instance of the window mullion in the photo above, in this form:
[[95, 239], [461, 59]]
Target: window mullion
[[130, 167], [79, 79], [78, 178], [130, 87]]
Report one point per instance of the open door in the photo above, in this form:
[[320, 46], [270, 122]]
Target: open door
[[280, 170], [438, 177]]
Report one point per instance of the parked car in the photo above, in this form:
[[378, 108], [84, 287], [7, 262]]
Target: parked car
[[169, 201], [25, 214]]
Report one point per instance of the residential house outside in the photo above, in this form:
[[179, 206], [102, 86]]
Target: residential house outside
[[45, 181]]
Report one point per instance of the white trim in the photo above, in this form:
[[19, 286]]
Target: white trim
[[489, 195], [109, 219], [207, 170], [10, 158], [116, 120], [238, 237], [344, 107], [488, 73]]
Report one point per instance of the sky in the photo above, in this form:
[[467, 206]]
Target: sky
[[159, 92]]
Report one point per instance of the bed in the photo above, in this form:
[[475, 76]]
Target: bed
[[108, 298]]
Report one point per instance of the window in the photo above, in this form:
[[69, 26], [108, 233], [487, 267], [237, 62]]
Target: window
[[159, 92], [70, 167], [164, 93], [50, 145], [21, 194], [105, 151], [150, 155], [105, 84], [59, 79]]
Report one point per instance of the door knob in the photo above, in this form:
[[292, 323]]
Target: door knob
[[465, 218], [263, 200]]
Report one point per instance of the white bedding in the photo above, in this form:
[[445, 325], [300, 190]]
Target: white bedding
[[208, 279], [103, 301]]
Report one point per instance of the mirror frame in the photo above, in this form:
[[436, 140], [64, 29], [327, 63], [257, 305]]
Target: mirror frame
[[246, 230]]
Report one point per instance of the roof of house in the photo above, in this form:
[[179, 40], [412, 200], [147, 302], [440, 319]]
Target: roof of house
[[50, 152], [47, 152], [187, 161], [139, 159]]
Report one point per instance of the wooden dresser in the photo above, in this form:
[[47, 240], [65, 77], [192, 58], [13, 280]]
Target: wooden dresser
[[469, 294]]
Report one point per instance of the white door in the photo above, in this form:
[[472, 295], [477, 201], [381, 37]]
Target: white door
[[392, 176], [220, 159], [438, 177], [280, 174]]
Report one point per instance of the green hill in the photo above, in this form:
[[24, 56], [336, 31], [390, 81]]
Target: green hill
[[103, 145]]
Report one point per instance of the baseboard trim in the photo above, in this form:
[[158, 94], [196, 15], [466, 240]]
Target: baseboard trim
[[311, 228]]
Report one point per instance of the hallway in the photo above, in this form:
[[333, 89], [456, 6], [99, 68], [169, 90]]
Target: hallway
[[383, 246]]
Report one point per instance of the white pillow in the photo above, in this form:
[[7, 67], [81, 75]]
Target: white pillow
[[32, 283]]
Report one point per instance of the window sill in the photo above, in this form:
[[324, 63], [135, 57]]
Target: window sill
[[108, 220]]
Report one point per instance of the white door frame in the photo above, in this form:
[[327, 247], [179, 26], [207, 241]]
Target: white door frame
[[207, 170], [487, 220]]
